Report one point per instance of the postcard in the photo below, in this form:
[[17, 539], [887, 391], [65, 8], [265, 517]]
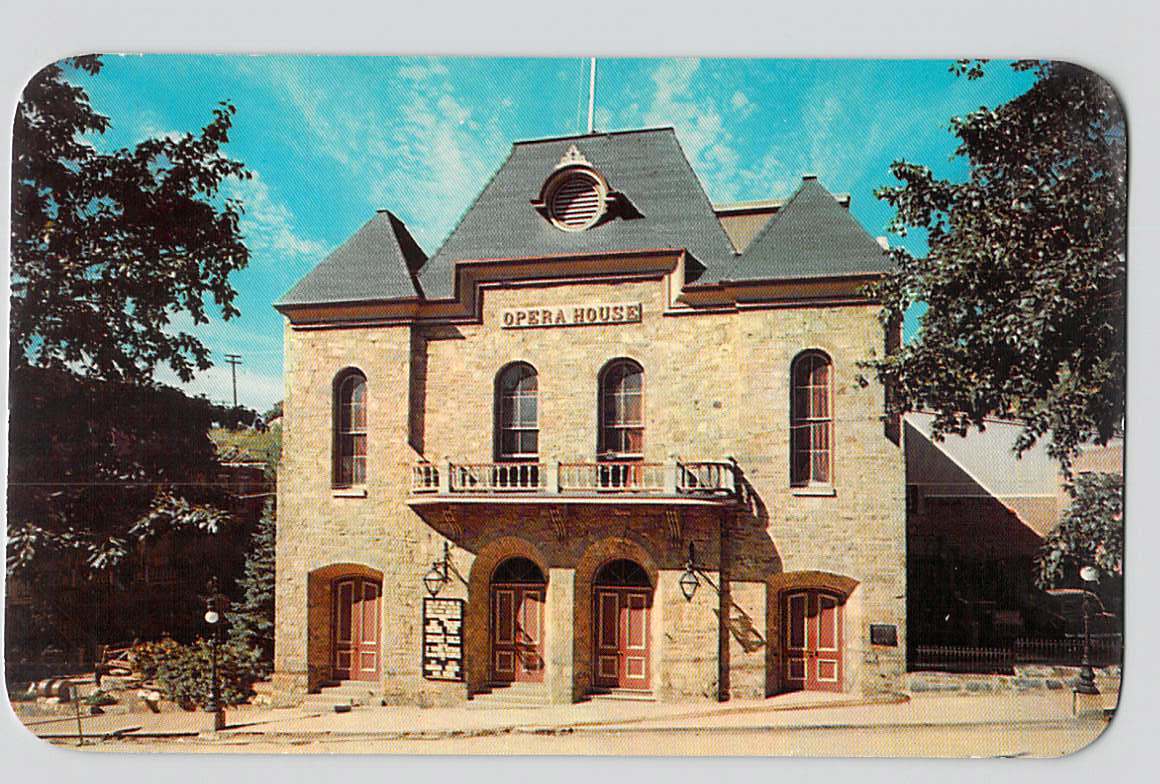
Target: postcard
[[567, 406]]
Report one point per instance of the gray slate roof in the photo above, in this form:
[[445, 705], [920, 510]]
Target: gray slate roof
[[376, 263], [811, 236], [648, 167]]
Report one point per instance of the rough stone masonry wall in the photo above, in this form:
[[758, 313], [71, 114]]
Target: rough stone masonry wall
[[319, 527], [715, 384]]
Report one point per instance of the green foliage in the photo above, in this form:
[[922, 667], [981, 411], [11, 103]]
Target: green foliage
[[274, 411], [147, 656], [108, 246], [1091, 533], [184, 674], [1026, 269], [244, 445], [95, 466], [108, 249], [100, 697], [252, 620]]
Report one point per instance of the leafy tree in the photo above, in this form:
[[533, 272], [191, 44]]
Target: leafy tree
[[252, 620], [1091, 532], [274, 412], [108, 246], [1024, 278], [1024, 281]]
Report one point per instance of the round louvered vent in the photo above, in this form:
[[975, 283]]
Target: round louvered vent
[[576, 202]]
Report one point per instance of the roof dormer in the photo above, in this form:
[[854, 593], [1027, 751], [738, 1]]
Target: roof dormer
[[576, 196]]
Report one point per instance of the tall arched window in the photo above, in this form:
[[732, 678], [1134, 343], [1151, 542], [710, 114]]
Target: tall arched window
[[350, 429], [811, 420], [621, 410], [517, 413]]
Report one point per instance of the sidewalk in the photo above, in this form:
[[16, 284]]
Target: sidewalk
[[794, 711]]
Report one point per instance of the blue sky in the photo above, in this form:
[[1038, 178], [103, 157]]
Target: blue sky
[[332, 139]]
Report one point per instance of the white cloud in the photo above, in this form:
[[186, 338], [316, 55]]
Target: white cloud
[[268, 224], [742, 105], [422, 154], [422, 70], [257, 390], [697, 120]]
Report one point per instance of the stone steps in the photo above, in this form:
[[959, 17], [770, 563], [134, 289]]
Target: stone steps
[[516, 695], [623, 695], [350, 693]]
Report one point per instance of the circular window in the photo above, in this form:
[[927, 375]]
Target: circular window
[[576, 201]]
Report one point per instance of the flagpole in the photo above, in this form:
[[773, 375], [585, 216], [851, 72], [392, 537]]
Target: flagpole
[[591, 92]]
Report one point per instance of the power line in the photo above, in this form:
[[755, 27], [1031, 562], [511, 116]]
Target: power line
[[234, 360]]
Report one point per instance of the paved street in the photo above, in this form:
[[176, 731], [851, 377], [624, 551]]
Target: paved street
[[1040, 725], [914, 741]]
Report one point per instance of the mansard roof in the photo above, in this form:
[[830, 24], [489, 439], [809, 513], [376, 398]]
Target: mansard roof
[[380, 261], [670, 208], [657, 204]]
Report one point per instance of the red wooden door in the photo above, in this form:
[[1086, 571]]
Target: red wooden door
[[357, 606], [622, 638], [517, 633], [812, 641]]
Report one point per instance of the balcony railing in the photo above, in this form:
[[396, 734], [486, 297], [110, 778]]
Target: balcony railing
[[706, 478]]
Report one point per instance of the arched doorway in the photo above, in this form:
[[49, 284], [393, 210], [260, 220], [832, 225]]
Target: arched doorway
[[812, 639], [623, 602], [518, 588], [357, 608]]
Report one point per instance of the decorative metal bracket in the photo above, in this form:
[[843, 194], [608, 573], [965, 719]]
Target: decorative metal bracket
[[673, 518], [557, 518], [452, 523]]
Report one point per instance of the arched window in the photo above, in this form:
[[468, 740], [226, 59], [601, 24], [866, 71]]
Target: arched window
[[517, 413], [350, 429], [621, 410], [811, 420]]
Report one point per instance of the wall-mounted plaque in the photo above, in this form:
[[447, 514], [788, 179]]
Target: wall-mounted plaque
[[443, 639], [883, 634], [571, 315]]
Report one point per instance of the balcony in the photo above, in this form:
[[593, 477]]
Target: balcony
[[702, 481]]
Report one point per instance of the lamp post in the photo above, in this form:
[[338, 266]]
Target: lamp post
[[213, 608], [1087, 680], [438, 575]]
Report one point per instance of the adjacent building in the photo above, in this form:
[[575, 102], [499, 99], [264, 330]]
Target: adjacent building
[[609, 438]]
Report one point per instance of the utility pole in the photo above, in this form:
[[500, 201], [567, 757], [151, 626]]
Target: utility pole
[[234, 360]]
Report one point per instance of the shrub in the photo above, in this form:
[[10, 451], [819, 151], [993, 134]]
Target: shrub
[[100, 697], [147, 656], [184, 674]]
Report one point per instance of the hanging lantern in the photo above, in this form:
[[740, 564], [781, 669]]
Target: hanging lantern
[[434, 580], [689, 582]]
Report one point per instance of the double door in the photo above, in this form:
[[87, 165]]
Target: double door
[[812, 641], [357, 610], [622, 638], [517, 633]]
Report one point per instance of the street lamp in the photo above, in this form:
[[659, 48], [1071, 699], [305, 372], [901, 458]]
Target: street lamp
[[437, 577], [689, 581], [1087, 678], [214, 604]]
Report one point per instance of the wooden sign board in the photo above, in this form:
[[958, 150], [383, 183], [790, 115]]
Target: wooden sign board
[[443, 639]]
